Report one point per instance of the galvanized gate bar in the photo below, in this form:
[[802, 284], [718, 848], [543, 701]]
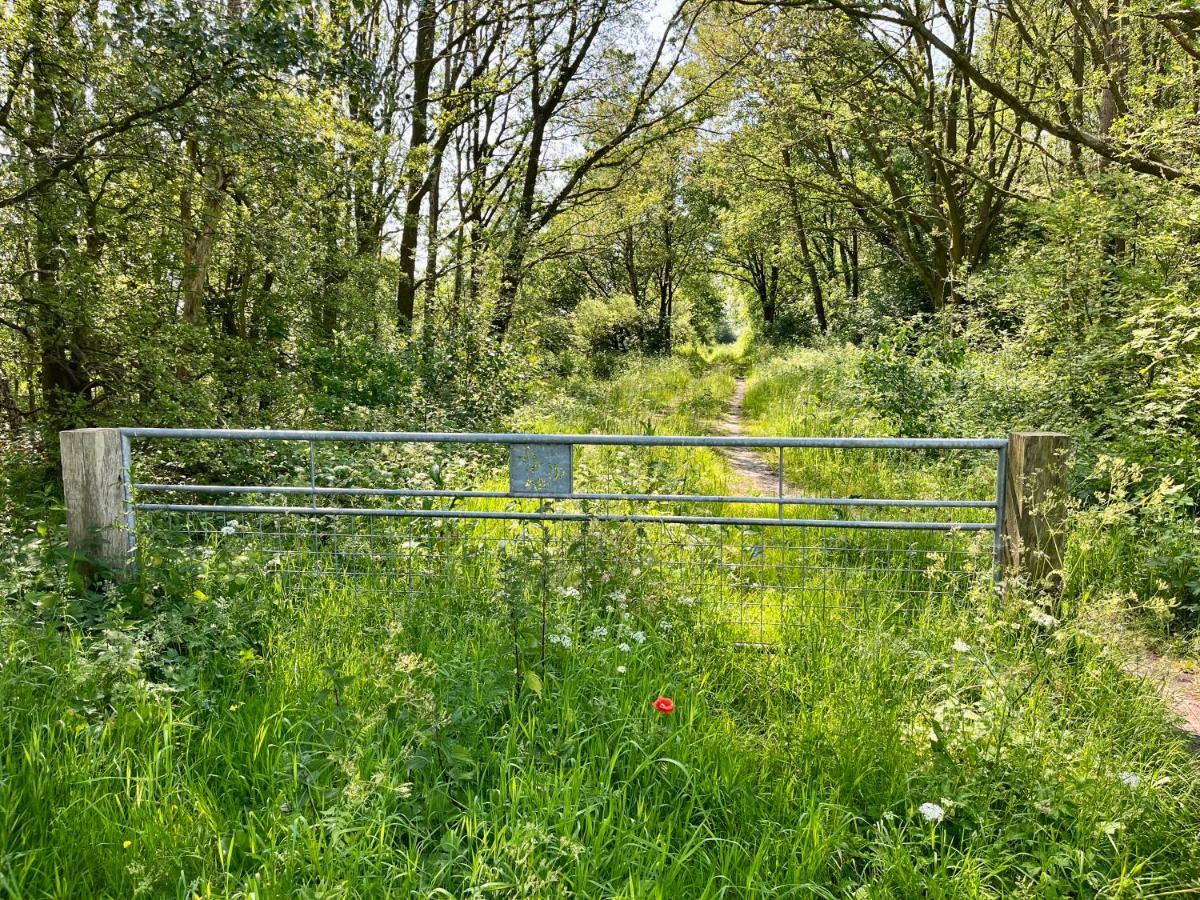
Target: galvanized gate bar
[[509, 495], [557, 516], [634, 440]]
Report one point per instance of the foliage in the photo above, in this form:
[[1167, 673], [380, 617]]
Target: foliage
[[198, 200], [234, 739], [436, 215]]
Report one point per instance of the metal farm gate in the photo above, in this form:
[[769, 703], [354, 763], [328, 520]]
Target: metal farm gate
[[605, 520]]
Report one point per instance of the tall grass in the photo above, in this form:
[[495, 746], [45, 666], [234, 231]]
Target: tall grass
[[213, 733]]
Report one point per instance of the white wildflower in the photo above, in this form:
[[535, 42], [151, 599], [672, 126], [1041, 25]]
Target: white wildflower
[[621, 670], [571, 592], [931, 812], [664, 625], [600, 631], [1130, 779], [623, 647], [228, 530], [1042, 619], [961, 646], [639, 637]]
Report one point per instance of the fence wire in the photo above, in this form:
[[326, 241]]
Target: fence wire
[[754, 584]]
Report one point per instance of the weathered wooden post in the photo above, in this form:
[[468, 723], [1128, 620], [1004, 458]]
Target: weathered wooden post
[[96, 489], [1035, 506]]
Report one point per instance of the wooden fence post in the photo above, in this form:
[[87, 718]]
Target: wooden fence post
[[1035, 506], [96, 493]]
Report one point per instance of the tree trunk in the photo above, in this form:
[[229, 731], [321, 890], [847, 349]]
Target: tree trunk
[[62, 376], [199, 237], [406, 288], [814, 278], [666, 300], [432, 238], [630, 260], [512, 271], [1116, 65], [810, 268]]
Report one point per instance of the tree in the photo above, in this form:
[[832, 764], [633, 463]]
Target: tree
[[650, 242], [584, 90], [864, 132], [1068, 53]]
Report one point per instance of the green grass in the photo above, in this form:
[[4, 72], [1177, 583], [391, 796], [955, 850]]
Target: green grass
[[219, 736]]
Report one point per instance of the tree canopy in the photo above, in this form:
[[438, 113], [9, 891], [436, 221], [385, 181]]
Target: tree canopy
[[218, 213]]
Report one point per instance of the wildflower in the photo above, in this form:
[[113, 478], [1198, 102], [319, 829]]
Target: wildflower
[[127, 844], [961, 646], [564, 640], [639, 637], [931, 812], [664, 705], [600, 631], [664, 625], [572, 593], [1130, 779], [228, 529], [1042, 618], [621, 670], [623, 647]]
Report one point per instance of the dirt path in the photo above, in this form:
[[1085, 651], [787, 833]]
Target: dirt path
[[752, 475], [1178, 687]]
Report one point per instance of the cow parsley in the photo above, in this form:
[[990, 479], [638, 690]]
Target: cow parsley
[[931, 812]]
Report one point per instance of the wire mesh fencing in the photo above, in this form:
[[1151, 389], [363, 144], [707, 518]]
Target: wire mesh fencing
[[432, 527]]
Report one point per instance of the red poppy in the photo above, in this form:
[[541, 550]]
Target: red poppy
[[664, 705]]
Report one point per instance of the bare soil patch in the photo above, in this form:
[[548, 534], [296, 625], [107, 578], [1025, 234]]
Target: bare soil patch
[[1178, 685], [752, 474]]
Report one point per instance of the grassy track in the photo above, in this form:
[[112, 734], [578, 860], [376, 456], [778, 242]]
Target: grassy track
[[251, 743]]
